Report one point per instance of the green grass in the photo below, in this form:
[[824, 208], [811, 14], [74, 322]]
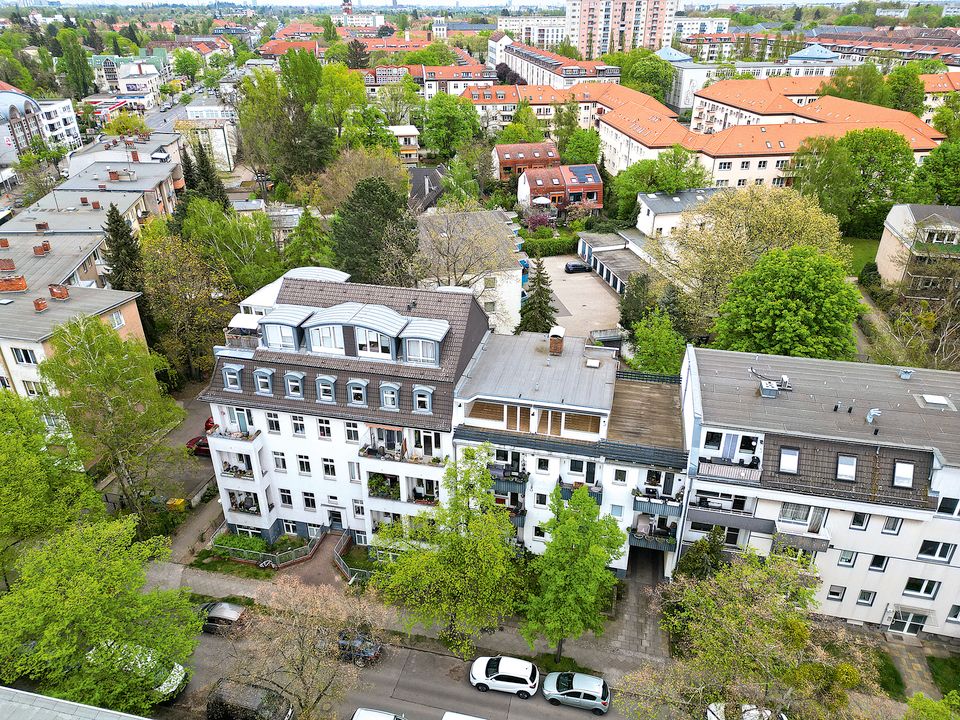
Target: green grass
[[210, 562], [358, 559], [863, 250], [889, 677], [946, 672]]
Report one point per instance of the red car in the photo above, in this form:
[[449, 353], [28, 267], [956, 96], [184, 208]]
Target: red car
[[208, 424], [199, 446]]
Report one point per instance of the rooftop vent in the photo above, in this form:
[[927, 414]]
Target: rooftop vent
[[13, 283], [4, 242], [873, 414], [41, 226], [769, 389], [6, 264], [905, 373], [593, 363], [96, 205], [39, 250], [83, 200]]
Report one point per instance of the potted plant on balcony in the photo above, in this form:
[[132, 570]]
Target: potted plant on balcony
[[377, 485]]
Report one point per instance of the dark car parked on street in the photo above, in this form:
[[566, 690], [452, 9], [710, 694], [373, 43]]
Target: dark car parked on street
[[576, 266]]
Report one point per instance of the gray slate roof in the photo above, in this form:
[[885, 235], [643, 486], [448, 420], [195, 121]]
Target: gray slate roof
[[661, 202], [19, 321], [512, 367], [922, 213], [60, 199], [20, 705], [67, 253], [148, 176], [730, 397]]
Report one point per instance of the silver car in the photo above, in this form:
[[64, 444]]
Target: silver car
[[577, 690]]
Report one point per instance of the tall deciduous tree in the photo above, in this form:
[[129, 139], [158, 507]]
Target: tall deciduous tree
[[401, 101], [126, 123], [906, 89], [122, 253], [938, 180], [791, 302], [573, 580], [566, 122], [946, 118], [655, 345], [637, 300], [642, 70], [341, 92], [361, 225], [460, 187], [524, 128], [330, 189], [451, 121], [308, 245], [74, 63], [537, 314], [583, 148], [82, 591], [455, 568], [107, 390], [187, 62], [864, 83], [824, 170], [674, 170]]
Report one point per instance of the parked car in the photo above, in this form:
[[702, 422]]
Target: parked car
[[577, 690], [166, 106], [505, 674], [18, 202], [716, 711], [368, 714], [575, 266], [138, 660], [199, 446], [231, 700], [358, 648], [221, 617], [208, 425]]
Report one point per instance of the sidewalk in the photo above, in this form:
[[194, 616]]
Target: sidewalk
[[187, 537], [911, 661]]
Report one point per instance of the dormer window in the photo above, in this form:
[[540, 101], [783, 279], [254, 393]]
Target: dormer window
[[294, 383], [280, 337], [422, 351], [263, 377], [357, 392], [327, 338], [373, 344], [326, 389], [389, 396], [422, 399], [231, 377]]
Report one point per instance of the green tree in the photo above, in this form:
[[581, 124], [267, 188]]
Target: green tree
[[126, 123], [525, 127], [357, 55], [73, 62], [368, 128], [906, 89], [308, 245], [130, 33], [704, 558], [920, 707], [793, 302], [330, 189], [187, 62], [401, 101], [582, 149], [189, 172], [643, 71], [946, 118], [460, 188], [674, 170], [824, 169], [566, 122], [573, 581], [84, 590], [122, 253], [208, 182], [341, 92], [566, 48], [655, 346], [864, 83], [938, 180], [329, 29], [537, 314], [361, 227], [455, 568], [436, 53], [637, 300], [451, 121], [42, 487]]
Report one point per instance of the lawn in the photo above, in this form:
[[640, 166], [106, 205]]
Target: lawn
[[358, 559], [946, 672], [863, 250], [210, 562], [889, 677]]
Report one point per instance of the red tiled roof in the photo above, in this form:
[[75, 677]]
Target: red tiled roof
[[751, 95], [282, 47], [546, 150], [941, 82]]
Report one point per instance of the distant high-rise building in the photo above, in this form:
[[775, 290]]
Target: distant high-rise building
[[347, 7], [596, 27]]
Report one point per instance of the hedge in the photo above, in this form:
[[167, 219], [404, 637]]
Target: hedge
[[537, 247], [241, 542]]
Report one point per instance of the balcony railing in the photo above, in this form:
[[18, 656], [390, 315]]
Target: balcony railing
[[247, 436], [423, 499], [370, 451], [729, 471], [669, 508], [246, 511], [518, 519], [235, 471], [566, 491], [653, 542]]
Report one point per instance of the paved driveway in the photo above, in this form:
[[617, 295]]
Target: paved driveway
[[583, 301]]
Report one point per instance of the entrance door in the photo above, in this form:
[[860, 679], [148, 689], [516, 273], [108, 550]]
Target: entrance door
[[242, 417], [428, 443], [907, 623], [591, 472], [336, 519]]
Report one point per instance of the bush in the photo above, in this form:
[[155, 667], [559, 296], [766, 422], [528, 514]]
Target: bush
[[869, 275], [536, 221], [287, 542], [535, 247], [242, 542], [606, 225], [544, 233]]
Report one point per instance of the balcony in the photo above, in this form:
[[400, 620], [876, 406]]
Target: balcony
[[241, 340], [800, 536], [518, 519], [236, 471], [567, 488], [506, 480], [244, 502], [401, 456], [653, 542], [719, 470], [385, 487], [651, 506], [240, 442]]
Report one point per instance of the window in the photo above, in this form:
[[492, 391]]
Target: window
[[902, 474], [353, 431], [490, 306], [489, 282], [422, 399], [309, 501], [540, 499], [935, 550], [116, 320], [294, 385], [289, 527], [389, 396], [954, 614], [921, 587], [789, 460], [576, 467], [299, 426], [866, 597], [878, 563], [777, 182], [34, 389], [761, 164], [372, 344], [422, 351], [303, 464], [891, 526], [353, 470], [24, 356], [286, 498], [357, 393], [859, 521], [846, 467], [758, 181], [280, 337], [712, 440], [726, 165], [329, 468], [847, 558], [948, 506], [538, 532], [326, 392], [4, 382], [794, 512], [744, 164], [836, 592], [264, 381], [360, 537], [781, 164], [543, 464], [742, 182], [273, 422], [279, 461], [358, 508], [616, 511], [329, 337], [323, 429], [620, 477], [231, 379]]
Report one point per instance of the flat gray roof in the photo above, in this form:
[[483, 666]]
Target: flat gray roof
[[20, 705], [77, 219], [67, 253], [146, 176], [156, 141], [661, 202], [623, 263], [922, 412], [519, 367], [19, 321], [60, 199]]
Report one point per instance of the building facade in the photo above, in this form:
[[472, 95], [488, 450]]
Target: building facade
[[542, 31], [913, 237], [542, 67], [596, 27], [560, 187], [684, 27], [512, 160], [59, 123]]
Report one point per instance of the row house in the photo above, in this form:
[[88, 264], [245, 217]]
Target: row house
[[914, 236], [333, 403], [496, 104], [542, 67], [855, 467], [566, 417], [511, 160], [557, 188], [432, 80]]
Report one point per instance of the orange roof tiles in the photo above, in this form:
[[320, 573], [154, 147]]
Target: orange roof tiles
[[528, 151], [751, 95], [282, 47], [941, 82], [615, 96], [299, 28], [488, 94], [829, 109]]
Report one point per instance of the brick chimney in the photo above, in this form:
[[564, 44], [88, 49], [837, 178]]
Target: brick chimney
[[4, 242], [96, 205], [46, 246], [134, 156], [84, 200], [39, 251], [59, 292], [114, 175], [556, 340], [102, 186], [13, 283], [40, 304], [41, 226], [6, 264]]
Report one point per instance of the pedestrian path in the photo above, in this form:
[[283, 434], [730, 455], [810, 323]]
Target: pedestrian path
[[911, 661]]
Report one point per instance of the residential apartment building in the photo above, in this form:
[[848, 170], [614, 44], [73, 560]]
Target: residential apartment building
[[495, 104], [140, 82], [936, 87], [684, 27], [408, 139], [334, 403], [366, 20], [853, 466], [155, 180], [557, 188], [542, 31], [512, 160], [274, 49], [22, 121], [432, 80], [155, 147], [59, 123], [106, 68], [914, 236], [542, 67], [596, 27]]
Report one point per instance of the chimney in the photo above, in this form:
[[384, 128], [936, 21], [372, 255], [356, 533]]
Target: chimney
[[96, 205], [134, 156], [59, 292], [41, 226], [114, 175], [13, 283], [4, 242], [84, 201], [556, 340], [46, 246], [39, 251], [101, 186], [6, 264], [40, 304]]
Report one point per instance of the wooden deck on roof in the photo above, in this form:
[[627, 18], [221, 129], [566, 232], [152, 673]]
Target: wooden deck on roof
[[646, 413]]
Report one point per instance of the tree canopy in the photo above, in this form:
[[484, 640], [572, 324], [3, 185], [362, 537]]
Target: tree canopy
[[655, 346], [642, 70], [674, 170], [537, 314], [451, 121], [583, 148]]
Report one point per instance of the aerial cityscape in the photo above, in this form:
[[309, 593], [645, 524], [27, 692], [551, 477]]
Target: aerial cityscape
[[388, 361]]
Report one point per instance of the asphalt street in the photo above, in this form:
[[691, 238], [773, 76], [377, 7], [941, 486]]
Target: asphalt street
[[163, 121]]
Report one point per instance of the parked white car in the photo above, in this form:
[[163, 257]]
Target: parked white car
[[505, 674]]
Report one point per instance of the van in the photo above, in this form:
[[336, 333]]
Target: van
[[232, 700]]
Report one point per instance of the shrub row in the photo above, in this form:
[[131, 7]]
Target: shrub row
[[545, 247]]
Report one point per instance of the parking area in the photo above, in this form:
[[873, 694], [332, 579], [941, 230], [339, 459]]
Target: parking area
[[583, 301]]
